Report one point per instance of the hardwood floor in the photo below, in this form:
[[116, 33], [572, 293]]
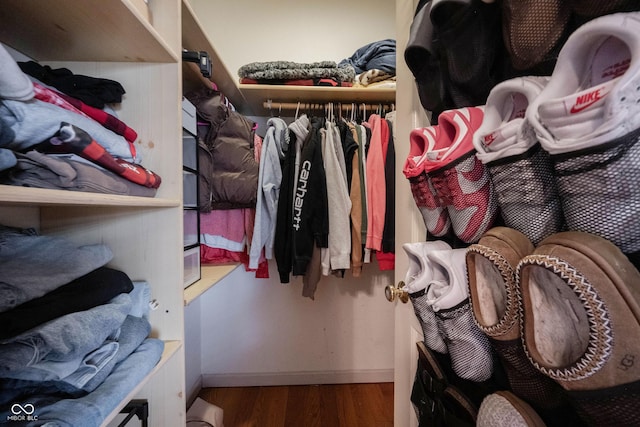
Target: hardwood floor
[[339, 405]]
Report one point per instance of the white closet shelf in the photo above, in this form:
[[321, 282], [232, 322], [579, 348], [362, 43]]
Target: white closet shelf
[[209, 276], [15, 195], [58, 31], [257, 94], [170, 349]]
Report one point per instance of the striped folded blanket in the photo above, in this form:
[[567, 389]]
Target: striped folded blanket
[[287, 70]]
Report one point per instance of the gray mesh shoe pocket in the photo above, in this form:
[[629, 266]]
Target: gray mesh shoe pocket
[[427, 319], [527, 193], [525, 380], [600, 192], [469, 348], [614, 406]]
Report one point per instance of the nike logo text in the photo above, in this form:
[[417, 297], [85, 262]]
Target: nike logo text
[[488, 139], [586, 100]]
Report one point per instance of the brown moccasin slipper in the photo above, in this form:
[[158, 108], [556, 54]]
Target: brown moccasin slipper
[[493, 291], [581, 320], [491, 267]]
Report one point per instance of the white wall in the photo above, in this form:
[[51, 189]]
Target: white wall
[[259, 331], [192, 350], [245, 31]]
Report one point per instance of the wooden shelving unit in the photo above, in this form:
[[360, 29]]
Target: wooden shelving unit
[[116, 40]]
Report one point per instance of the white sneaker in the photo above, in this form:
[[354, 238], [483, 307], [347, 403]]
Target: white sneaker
[[469, 348], [521, 171], [592, 96], [420, 273], [452, 289], [588, 119], [504, 132]]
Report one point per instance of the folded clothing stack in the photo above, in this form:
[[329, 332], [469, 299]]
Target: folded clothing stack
[[75, 342]]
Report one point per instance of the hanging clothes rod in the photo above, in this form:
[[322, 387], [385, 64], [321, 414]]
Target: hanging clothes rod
[[274, 105]]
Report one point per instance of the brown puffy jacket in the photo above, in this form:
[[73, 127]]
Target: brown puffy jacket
[[227, 164]]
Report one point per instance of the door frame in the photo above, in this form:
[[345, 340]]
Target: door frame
[[409, 225]]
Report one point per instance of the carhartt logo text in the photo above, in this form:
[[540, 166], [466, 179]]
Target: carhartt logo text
[[301, 191]]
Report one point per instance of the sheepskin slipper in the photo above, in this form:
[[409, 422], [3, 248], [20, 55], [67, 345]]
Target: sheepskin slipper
[[491, 265], [581, 320]]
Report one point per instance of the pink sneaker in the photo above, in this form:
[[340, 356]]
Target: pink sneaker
[[461, 182], [436, 219]]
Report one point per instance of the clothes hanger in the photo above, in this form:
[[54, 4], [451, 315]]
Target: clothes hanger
[[297, 110]]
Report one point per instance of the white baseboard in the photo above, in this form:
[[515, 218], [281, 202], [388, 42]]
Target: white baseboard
[[296, 378]]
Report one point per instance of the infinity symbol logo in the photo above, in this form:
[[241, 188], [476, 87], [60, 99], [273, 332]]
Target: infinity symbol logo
[[28, 409]]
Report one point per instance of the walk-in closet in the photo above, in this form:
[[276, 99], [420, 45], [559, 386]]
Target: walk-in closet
[[271, 334], [207, 202]]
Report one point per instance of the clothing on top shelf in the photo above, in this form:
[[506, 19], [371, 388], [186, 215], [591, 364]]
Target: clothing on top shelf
[[30, 112], [333, 82], [288, 71], [104, 118], [14, 84], [93, 91], [378, 55], [375, 79], [35, 121]]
